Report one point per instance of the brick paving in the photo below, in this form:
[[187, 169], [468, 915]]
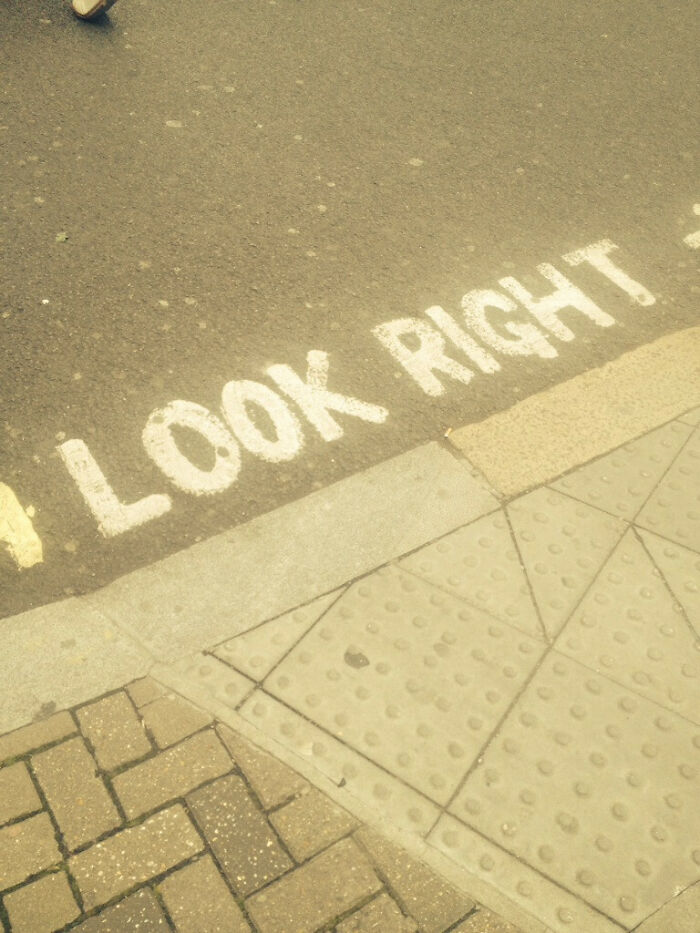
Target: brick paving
[[136, 811]]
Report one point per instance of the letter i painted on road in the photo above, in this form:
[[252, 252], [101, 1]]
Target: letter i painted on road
[[17, 531]]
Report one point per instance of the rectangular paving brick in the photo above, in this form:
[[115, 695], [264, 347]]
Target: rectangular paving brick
[[34, 736], [198, 900], [134, 855], [310, 823], [77, 797], [27, 848], [314, 894], [434, 903], [271, 780], [242, 839], [138, 912], [172, 773], [379, 916], [42, 906], [18, 796], [145, 690], [483, 921], [114, 730], [171, 719]]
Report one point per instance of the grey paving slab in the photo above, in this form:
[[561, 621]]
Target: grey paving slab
[[629, 627], [352, 772], [680, 568], [622, 481], [257, 651], [59, 656], [236, 580], [409, 676], [595, 787], [563, 544], [673, 510], [480, 564]]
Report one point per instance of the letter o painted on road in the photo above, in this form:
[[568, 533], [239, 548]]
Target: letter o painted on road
[[161, 447], [235, 399]]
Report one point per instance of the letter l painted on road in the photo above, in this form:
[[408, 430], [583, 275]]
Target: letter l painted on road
[[113, 517]]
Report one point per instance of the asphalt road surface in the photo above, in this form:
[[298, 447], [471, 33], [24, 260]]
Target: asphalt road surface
[[194, 193]]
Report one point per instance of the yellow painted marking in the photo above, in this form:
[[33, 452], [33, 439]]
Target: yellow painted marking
[[547, 434], [17, 532]]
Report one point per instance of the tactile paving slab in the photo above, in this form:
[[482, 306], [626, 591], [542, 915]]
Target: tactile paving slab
[[480, 564], [630, 628], [403, 806], [681, 569], [410, 676], [595, 787], [563, 543], [211, 678], [673, 509], [258, 650], [560, 910], [621, 481]]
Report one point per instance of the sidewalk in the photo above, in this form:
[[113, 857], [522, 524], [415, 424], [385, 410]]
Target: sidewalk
[[138, 812], [517, 704]]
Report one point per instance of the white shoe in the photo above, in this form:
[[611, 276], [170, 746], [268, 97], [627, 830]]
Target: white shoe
[[89, 9]]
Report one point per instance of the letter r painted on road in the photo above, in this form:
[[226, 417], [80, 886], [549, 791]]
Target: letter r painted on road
[[425, 359], [113, 516]]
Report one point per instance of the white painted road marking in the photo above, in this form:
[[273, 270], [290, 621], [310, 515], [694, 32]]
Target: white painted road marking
[[112, 516], [421, 348], [597, 255], [161, 446], [316, 401], [241, 399], [17, 531]]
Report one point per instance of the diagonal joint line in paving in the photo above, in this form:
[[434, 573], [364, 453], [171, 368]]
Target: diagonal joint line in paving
[[518, 551], [681, 450], [538, 664], [662, 576], [345, 744]]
